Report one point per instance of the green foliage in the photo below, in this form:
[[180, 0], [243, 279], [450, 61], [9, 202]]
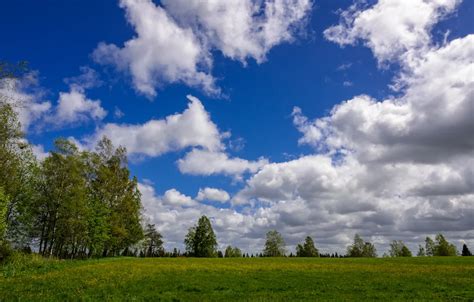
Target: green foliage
[[88, 205], [3, 214], [18, 173], [465, 251], [443, 247], [201, 240], [153, 242], [274, 245], [439, 247], [232, 252], [245, 279], [421, 251], [75, 203], [429, 247], [25, 264], [360, 248], [399, 249], [307, 249]]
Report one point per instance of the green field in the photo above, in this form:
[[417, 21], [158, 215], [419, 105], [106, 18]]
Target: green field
[[242, 279]]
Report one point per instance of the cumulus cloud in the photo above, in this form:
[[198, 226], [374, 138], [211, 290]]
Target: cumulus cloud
[[193, 127], [430, 122], [400, 167], [174, 41], [241, 29], [161, 53], [205, 162], [174, 197], [72, 107], [390, 28], [174, 219], [212, 194]]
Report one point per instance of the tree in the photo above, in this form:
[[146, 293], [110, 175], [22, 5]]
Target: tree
[[153, 242], [443, 247], [439, 247], [232, 252], [399, 249], [465, 250], [361, 249], [18, 168], [274, 245], [421, 251], [307, 249], [429, 247], [61, 212], [201, 240], [119, 195]]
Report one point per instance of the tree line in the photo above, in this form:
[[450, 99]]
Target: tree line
[[201, 242], [81, 204]]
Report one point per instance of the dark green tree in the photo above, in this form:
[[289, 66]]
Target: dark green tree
[[274, 245], [429, 247], [201, 240], [465, 250], [153, 242], [307, 249]]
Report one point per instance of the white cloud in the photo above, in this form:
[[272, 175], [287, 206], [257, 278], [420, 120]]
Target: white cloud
[[205, 162], [430, 122], [191, 128], [89, 78], [161, 53], [174, 197], [391, 28], [241, 29], [74, 107], [212, 194], [174, 219], [174, 42]]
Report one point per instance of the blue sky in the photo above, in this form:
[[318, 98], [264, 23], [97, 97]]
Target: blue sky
[[306, 67]]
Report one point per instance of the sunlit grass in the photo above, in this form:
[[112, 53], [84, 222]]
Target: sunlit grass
[[244, 279]]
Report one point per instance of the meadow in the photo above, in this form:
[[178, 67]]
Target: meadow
[[240, 279]]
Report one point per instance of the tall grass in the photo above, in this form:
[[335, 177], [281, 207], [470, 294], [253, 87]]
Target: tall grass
[[20, 263]]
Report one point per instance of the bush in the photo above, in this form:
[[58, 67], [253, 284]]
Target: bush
[[5, 251]]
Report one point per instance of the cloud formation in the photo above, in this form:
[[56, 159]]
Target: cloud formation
[[390, 28], [212, 194], [204, 162], [193, 127], [71, 109], [174, 41], [395, 168]]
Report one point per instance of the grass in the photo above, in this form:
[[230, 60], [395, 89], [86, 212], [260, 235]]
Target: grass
[[244, 279]]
